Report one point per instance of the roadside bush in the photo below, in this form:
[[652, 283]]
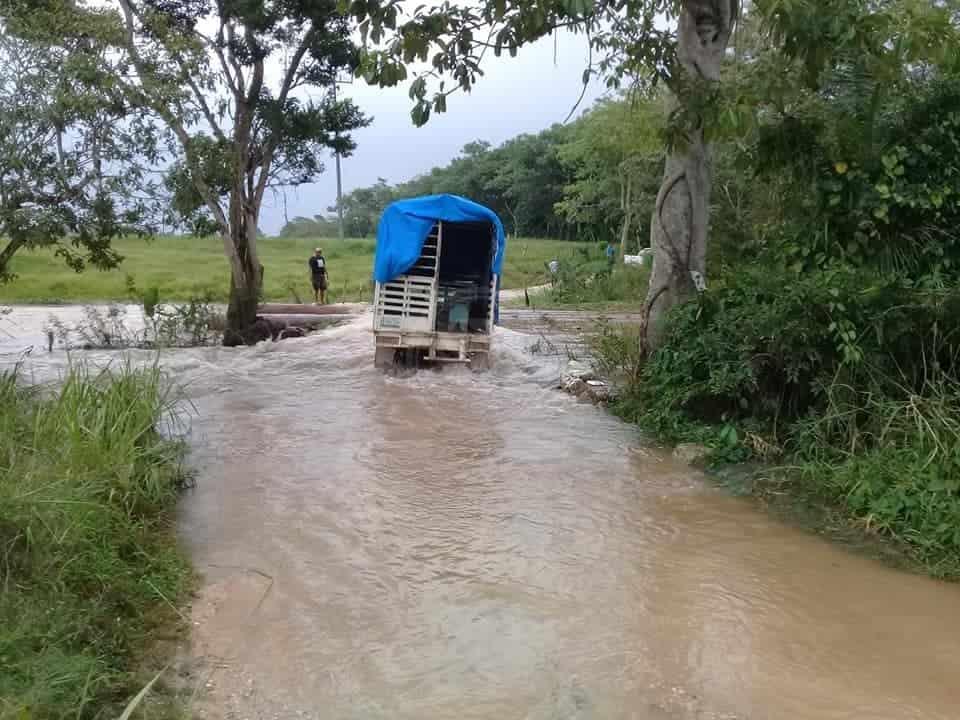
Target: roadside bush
[[852, 376], [763, 343], [185, 324], [88, 561]]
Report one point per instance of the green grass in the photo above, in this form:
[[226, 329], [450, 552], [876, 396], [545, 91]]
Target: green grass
[[181, 267], [89, 568], [586, 282]]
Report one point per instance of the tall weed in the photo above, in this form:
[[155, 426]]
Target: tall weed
[[88, 484], [893, 461]]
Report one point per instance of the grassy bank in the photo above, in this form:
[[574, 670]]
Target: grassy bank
[[181, 267], [587, 282], [89, 567], [842, 387]]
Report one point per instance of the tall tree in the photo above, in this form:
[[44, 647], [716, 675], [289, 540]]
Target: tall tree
[[73, 158], [225, 78], [679, 42], [614, 153], [529, 178], [362, 208]]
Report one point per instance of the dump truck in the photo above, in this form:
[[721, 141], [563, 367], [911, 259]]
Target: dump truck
[[437, 271]]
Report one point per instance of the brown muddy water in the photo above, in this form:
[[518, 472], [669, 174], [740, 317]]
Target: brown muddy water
[[456, 545]]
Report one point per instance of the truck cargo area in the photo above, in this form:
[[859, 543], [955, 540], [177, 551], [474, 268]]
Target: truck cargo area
[[442, 308]]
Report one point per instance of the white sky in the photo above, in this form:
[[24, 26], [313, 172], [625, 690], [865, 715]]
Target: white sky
[[516, 95]]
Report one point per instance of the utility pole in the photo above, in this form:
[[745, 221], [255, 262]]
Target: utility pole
[[336, 155], [339, 197]]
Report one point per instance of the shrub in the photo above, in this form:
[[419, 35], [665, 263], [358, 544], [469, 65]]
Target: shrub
[[853, 375], [764, 342]]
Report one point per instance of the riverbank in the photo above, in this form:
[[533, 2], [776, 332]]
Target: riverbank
[[856, 424], [93, 577]]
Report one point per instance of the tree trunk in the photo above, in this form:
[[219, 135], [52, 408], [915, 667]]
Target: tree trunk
[[627, 203], [246, 279], [679, 226]]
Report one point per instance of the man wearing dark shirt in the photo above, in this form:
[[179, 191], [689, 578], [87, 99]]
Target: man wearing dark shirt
[[318, 275]]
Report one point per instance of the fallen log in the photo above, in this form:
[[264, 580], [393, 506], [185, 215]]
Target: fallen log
[[294, 309], [305, 320]]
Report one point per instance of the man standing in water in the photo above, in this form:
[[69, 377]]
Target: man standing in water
[[318, 275]]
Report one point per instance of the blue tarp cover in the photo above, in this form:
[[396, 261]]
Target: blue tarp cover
[[405, 224]]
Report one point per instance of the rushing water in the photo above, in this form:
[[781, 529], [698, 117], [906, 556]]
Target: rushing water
[[456, 545]]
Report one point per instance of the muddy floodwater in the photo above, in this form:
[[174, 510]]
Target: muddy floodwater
[[445, 546]]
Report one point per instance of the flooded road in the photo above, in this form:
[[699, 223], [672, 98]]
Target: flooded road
[[456, 545]]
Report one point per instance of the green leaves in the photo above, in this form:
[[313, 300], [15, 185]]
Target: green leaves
[[67, 152], [420, 113], [578, 8], [418, 88]]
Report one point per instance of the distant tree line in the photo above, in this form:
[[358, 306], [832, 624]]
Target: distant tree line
[[595, 178]]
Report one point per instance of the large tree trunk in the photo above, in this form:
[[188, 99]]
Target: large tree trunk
[[679, 226], [246, 279]]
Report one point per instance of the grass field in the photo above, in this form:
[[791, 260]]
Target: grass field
[[181, 267]]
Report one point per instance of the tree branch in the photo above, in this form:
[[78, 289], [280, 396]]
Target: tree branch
[[294, 66], [270, 145], [8, 252], [238, 69], [201, 100], [191, 81], [217, 45], [256, 81], [175, 123]]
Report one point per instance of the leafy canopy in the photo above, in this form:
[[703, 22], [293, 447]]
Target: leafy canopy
[[74, 157]]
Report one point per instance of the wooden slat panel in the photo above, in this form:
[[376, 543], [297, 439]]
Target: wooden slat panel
[[405, 303], [412, 297]]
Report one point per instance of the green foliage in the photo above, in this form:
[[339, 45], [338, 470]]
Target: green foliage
[[188, 323], [521, 180], [213, 162], [87, 493], [851, 374], [616, 353], [893, 461], [632, 42], [68, 149], [316, 227], [614, 154], [573, 181], [586, 279], [362, 209], [893, 204]]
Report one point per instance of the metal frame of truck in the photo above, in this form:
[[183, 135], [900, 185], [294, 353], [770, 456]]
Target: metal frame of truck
[[405, 316]]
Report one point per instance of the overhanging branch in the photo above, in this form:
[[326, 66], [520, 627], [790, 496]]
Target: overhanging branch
[[174, 123]]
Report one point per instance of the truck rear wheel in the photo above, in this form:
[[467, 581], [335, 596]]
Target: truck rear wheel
[[384, 358], [480, 361]]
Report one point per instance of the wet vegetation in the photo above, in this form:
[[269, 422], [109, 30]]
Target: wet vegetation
[[91, 574], [826, 344]]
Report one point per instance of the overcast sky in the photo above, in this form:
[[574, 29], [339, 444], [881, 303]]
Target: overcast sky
[[516, 95]]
